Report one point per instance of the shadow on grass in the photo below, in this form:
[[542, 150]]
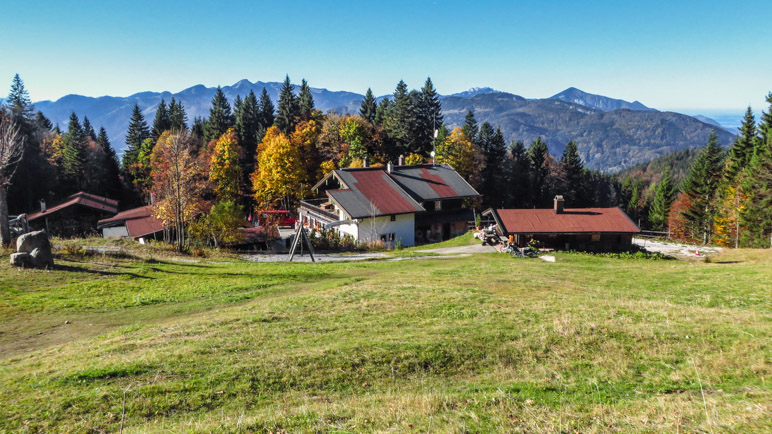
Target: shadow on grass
[[72, 269]]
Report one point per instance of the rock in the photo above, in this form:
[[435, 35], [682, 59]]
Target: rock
[[42, 258], [33, 240], [21, 259]]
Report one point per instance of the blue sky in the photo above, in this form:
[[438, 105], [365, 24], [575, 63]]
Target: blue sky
[[672, 55]]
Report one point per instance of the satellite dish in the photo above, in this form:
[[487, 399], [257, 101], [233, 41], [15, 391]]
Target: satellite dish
[[432, 154]]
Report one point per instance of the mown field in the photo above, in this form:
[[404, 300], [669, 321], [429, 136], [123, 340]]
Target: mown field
[[473, 343]]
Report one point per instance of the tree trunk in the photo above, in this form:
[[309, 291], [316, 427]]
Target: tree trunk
[[5, 230]]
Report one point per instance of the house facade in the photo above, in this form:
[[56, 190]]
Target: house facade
[[401, 204]]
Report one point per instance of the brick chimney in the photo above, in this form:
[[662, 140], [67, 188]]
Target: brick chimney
[[559, 202], [401, 160]]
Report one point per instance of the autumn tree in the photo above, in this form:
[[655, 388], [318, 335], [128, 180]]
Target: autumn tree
[[277, 180], [462, 155], [225, 172], [177, 184]]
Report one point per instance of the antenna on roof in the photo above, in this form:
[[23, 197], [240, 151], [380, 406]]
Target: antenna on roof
[[434, 147]]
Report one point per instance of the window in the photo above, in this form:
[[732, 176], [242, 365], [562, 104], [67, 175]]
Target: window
[[393, 218], [438, 205], [387, 238]]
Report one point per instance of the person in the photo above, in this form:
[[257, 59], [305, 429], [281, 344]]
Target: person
[[511, 239]]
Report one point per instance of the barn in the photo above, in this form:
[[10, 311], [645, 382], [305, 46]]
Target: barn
[[586, 229]]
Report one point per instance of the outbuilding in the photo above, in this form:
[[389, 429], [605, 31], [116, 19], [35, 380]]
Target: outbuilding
[[133, 223], [76, 215], [586, 229]]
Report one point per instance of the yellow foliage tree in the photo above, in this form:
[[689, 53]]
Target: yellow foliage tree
[[462, 155], [224, 171], [277, 181], [305, 138], [413, 159], [327, 167]]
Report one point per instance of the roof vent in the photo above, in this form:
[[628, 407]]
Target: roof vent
[[558, 204]]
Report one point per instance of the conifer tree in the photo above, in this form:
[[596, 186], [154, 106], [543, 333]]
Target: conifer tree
[[742, 149], [305, 101], [178, 119], [700, 186], [19, 103], [470, 126], [428, 117], [88, 129], [399, 121], [43, 122], [494, 150], [266, 114], [220, 117], [573, 168], [368, 108], [136, 134], [518, 179], [288, 108], [539, 156], [162, 121], [382, 112], [74, 154], [765, 122], [664, 196], [247, 127], [111, 181]]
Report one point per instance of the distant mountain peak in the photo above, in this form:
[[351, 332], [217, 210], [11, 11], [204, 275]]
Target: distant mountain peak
[[598, 102], [475, 91]]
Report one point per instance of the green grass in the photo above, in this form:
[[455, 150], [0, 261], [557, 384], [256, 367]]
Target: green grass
[[476, 343]]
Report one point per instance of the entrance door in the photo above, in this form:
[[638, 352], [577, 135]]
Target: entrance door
[[445, 231]]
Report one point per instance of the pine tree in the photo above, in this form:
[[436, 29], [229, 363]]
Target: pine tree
[[162, 121], [368, 108], [220, 117], [539, 156], [247, 126], [519, 176], [382, 112], [266, 115], [399, 121], [700, 186], [765, 122], [742, 149], [573, 168], [88, 130], [428, 117], [135, 135], [305, 101], [288, 110], [494, 150], [19, 103], [74, 153], [43, 122], [470, 126], [178, 119], [111, 180], [664, 196]]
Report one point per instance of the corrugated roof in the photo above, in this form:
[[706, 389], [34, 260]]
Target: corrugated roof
[[372, 192], [432, 182], [79, 198], [139, 222], [578, 220]]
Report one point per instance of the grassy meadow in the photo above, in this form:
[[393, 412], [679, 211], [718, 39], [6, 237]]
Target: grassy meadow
[[462, 343]]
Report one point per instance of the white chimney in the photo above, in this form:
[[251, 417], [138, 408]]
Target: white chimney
[[401, 160], [364, 162], [558, 206], [389, 167], [42, 205]]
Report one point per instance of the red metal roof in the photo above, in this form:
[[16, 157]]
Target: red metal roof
[[371, 192], [80, 198], [139, 221], [438, 184], [578, 220]]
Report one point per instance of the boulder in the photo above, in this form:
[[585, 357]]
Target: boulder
[[41, 258], [21, 259], [33, 240]]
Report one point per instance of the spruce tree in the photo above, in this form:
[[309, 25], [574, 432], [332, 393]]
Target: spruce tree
[[399, 122], [74, 153], [428, 117], [110, 181], [382, 112], [470, 126], [19, 103], [539, 156], [494, 151], [368, 108], [178, 119], [220, 117], [305, 101], [700, 186], [288, 110], [519, 176], [247, 128], [88, 130], [266, 115], [162, 121], [664, 195], [135, 135], [742, 149], [42, 122], [765, 122], [573, 168]]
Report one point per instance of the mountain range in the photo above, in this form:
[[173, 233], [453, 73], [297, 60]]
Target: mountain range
[[611, 134]]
